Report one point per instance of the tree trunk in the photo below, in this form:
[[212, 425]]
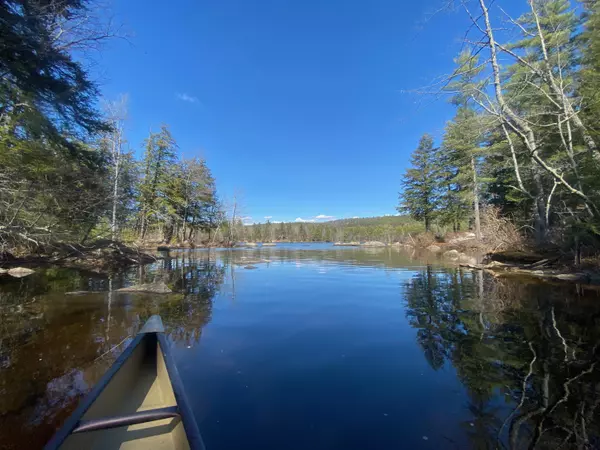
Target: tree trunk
[[115, 199], [143, 226], [539, 212], [168, 233], [231, 231], [476, 199]]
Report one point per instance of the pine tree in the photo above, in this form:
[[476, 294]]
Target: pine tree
[[461, 144], [45, 93], [159, 158], [420, 185], [590, 72]]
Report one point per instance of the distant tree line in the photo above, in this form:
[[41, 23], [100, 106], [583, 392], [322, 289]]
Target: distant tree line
[[385, 229], [525, 137], [66, 171]]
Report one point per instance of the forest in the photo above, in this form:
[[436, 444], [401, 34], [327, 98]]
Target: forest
[[68, 172], [523, 144], [524, 140], [387, 229]]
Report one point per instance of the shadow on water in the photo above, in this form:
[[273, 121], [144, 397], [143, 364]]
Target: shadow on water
[[527, 355]]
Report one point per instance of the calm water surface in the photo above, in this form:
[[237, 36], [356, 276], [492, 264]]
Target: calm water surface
[[318, 347]]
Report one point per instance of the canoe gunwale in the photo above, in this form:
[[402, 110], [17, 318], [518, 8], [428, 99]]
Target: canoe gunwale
[[187, 416]]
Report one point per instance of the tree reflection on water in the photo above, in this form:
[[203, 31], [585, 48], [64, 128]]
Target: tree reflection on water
[[526, 354], [520, 343], [53, 348]]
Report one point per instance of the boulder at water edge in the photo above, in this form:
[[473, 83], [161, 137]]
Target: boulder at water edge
[[20, 272]]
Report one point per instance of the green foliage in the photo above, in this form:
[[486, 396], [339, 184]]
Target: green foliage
[[590, 71], [45, 94], [523, 135]]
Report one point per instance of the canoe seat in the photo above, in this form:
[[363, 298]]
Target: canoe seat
[[149, 415]]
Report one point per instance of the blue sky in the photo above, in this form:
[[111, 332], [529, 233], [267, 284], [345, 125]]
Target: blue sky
[[297, 106]]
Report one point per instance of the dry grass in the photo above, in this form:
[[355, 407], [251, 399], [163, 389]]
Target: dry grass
[[424, 240], [498, 232]]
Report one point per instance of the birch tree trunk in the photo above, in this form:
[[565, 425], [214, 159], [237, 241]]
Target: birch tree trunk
[[476, 199], [522, 128], [117, 140], [232, 224]]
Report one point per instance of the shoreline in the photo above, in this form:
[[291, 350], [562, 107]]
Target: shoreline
[[108, 256], [99, 256]]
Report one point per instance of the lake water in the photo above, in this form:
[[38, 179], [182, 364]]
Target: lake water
[[318, 347]]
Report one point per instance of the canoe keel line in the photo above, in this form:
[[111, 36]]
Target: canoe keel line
[[139, 403]]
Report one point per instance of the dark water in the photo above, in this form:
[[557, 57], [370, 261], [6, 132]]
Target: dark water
[[320, 348]]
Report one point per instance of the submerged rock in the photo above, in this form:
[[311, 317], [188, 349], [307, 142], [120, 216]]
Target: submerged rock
[[3, 271], [250, 267], [251, 244], [20, 272], [150, 288]]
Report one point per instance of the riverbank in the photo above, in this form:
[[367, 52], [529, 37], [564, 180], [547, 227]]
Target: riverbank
[[549, 267], [506, 259], [498, 257], [98, 256]]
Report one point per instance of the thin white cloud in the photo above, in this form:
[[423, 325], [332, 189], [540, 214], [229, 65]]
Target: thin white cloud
[[355, 217], [277, 221], [324, 217], [187, 97], [300, 219], [268, 217]]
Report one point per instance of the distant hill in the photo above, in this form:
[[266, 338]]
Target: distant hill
[[373, 221]]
